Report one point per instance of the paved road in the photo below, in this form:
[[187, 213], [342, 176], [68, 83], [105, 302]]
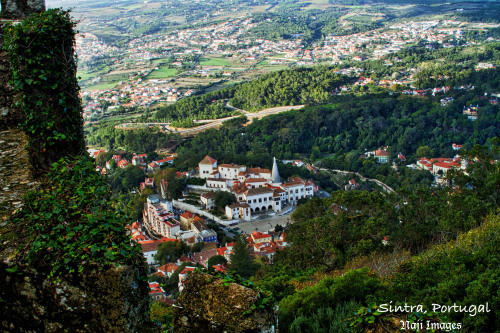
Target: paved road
[[386, 187], [264, 224]]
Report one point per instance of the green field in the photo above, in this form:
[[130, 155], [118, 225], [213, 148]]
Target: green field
[[84, 75], [214, 62], [115, 77], [162, 73], [102, 86]]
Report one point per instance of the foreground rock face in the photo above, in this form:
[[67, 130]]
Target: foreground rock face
[[100, 301], [207, 305], [21, 8]]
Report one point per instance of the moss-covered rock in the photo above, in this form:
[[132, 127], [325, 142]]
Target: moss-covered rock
[[113, 300], [207, 304]]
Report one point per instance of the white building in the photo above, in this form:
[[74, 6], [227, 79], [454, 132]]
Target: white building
[[207, 166], [256, 189], [260, 199], [149, 251], [239, 211], [158, 217], [298, 189], [207, 199]]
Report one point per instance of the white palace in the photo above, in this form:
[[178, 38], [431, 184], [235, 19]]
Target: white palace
[[256, 189]]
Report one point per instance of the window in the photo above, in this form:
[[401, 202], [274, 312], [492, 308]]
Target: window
[[296, 191]]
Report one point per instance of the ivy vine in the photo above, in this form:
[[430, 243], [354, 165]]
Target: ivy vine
[[69, 226], [43, 63]]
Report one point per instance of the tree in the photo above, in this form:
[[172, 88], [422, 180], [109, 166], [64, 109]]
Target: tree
[[175, 185], [112, 164], [171, 251], [223, 199], [242, 262], [162, 313], [197, 247], [424, 151], [216, 260], [102, 158], [315, 153]]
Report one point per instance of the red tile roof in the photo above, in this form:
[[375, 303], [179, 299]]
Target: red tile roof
[[153, 165], [208, 195], [168, 159], [155, 288], [381, 153], [255, 180], [170, 268], [231, 166], [149, 246], [220, 268], [187, 215], [208, 160], [260, 235], [187, 270], [258, 170], [185, 259]]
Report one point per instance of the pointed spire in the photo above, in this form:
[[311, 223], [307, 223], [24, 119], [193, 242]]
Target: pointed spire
[[275, 175]]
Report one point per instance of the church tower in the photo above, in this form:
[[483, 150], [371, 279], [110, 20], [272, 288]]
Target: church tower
[[275, 175]]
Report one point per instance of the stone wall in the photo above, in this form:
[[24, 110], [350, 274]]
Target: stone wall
[[21, 8], [9, 118], [11, 11]]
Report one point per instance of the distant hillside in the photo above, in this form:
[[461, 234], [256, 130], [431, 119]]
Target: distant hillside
[[286, 87]]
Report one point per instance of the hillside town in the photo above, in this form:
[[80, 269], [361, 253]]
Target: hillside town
[[231, 41], [256, 191]]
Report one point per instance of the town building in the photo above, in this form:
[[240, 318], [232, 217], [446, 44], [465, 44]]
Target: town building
[[256, 189], [207, 200], [158, 217], [205, 234], [471, 111], [156, 291]]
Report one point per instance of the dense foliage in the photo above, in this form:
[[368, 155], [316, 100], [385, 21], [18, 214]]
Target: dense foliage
[[331, 238], [139, 141], [206, 106], [44, 77], [171, 251], [241, 261], [68, 226], [464, 272], [403, 123], [288, 87], [282, 88]]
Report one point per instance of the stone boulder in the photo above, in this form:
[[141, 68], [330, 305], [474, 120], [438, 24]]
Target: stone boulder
[[111, 300], [207, 304]]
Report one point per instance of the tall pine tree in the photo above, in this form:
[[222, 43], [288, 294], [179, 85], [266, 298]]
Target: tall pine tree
[[241, 261]]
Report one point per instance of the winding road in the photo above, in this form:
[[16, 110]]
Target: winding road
[[211, 123], [386, 187]]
